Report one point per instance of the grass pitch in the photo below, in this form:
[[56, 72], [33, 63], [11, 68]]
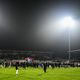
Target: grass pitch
[[38, 74]]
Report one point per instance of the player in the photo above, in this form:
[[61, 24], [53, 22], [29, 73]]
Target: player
[[45, 67], [16, 68]]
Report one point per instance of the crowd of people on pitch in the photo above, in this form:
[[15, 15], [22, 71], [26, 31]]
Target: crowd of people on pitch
[[39, 64], [43, 65]]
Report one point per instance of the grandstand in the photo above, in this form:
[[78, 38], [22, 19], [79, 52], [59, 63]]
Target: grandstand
[[12, 56]]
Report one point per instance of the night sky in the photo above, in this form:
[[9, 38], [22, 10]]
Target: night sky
[[27, 24]]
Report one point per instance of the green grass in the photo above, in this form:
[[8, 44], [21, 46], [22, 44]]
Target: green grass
[[38, 74]]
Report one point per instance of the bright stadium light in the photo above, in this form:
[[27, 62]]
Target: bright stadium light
[[69, 23]]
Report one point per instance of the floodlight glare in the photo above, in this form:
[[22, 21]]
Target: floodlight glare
[[68, 22]]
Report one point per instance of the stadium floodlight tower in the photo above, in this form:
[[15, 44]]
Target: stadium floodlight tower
[[68, 23]]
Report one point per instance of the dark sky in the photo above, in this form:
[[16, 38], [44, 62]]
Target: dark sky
[[22, 23]]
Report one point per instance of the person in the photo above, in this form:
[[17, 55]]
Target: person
[[24, 65], [16, 68], [45, 67]]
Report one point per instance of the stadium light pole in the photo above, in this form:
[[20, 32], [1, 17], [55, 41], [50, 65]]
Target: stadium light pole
[[68, 22]]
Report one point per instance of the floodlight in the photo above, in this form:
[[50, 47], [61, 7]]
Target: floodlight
[[67, 22]]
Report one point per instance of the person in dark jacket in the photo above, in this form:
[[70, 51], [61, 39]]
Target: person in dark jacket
[[45, 67], [16, 66]]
